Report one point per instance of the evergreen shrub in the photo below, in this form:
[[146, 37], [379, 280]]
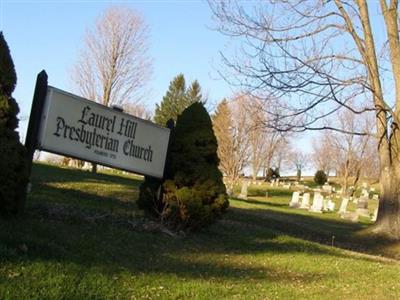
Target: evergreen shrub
[[320, 177], [193, 193], [13, 162]]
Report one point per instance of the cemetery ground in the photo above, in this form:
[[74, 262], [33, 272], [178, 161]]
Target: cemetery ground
[[83, 237]]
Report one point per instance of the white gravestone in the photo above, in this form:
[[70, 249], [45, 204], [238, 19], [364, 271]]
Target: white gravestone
[[318, 203], [362, 207], [343, 206], [364, 193], [305, 201], [243, 192], [327, 188], [330, 205], [295, 200]]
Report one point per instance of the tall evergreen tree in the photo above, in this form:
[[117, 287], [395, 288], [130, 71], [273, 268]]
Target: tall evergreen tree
[[13, 163], [194, 93], [194, 193], [177, 98]]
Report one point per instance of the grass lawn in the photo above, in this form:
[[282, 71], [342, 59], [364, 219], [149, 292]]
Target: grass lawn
[[83, 238]]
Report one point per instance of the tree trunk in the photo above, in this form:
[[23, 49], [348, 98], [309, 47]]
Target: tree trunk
[[388, 220], [298, 175]]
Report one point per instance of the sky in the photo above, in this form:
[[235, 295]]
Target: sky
[[49, 34]]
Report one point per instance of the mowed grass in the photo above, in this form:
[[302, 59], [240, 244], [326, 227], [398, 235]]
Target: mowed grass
[[76, 242]]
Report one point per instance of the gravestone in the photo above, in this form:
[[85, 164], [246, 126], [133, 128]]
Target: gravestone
[[295, 200], [318, 203], [243, 192], [343, 206], [362, 207], [327, 188], [330, 205], [364, 193], [286, 186], [305, 201]]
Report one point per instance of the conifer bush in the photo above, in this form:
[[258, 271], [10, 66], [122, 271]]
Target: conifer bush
[[193, 193], [13, 162], [320, 177]]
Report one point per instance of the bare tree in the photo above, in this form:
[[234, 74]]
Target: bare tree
[[319, 57], [299, 160], [263, 140], [113, 66], [323, 152], [281, 153], [137, 110], [352, 153]]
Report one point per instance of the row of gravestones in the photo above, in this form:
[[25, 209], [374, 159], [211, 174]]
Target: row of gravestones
[[319, 204]]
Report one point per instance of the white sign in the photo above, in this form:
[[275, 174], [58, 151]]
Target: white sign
[[84, 129]]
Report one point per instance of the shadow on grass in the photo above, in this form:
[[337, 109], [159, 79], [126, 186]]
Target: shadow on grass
[[110, 250], [216, 253], [111, 247], [52, 174], [78, 199], [342, 234], [259, 202]]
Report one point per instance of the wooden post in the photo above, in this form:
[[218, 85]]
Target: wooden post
[[171, 125], [39, 97]]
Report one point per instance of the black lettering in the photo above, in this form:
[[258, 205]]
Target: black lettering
[[60, 126], [84, 114]]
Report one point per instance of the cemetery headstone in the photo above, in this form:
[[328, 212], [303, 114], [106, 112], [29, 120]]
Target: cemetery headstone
[[318, 203], [294, 203], [362, 207], [343, 206], [327, 188], [330, 205], [243, 192], [305, 201], [364, 193]]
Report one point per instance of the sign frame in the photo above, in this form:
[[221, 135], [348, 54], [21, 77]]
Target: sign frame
[[37, 127]]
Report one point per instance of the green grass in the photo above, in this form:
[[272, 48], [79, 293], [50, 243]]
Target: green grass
[[76, 241]]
